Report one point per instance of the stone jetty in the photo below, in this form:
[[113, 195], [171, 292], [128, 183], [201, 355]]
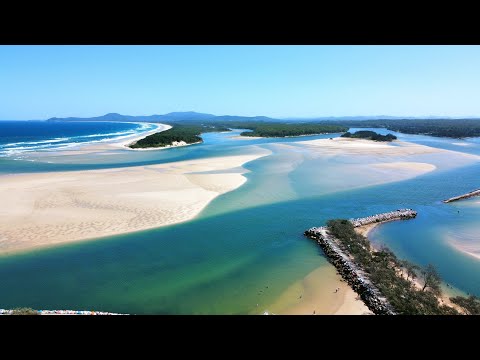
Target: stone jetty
[[400, 214], [464, 196], [351, 272], [63, 312]]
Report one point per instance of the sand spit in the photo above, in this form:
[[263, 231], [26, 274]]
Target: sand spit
[[52, 208]]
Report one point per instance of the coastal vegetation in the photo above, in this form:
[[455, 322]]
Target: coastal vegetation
[[370, 135], [454, 128], [471, 304], [266, 127], [190, 134], [443, 128], [189, 131], [282, 130], [394, 278]]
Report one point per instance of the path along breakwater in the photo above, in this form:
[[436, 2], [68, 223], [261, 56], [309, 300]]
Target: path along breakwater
[[464, 196], [351, 272]]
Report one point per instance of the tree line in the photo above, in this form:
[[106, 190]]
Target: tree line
[[370, 135], [454, 128], [282, 130], [187, 133]]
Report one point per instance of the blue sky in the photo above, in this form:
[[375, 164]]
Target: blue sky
[[38, 82]]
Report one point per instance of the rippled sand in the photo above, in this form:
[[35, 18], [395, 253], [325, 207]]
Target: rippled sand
[[51, 208]]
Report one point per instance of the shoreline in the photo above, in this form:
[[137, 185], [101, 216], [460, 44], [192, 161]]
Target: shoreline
[[243, 137], [127, 142], [162, 147], [120, 143], [317, 294], [444, 299], [49, 209], [354, 274], [350, 270]]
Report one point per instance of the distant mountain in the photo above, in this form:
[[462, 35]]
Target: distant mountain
[[173, 116], [106, 117], [187, 116]]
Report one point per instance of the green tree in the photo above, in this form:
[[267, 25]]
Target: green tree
[[431, 279]]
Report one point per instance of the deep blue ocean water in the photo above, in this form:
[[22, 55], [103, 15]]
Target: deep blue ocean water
[[20, 137]]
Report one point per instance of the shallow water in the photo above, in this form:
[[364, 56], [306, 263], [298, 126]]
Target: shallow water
[[246, 247]]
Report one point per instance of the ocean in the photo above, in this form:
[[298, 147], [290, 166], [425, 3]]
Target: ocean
[[246, 248]]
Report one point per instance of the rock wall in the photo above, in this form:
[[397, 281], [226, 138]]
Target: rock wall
[[351, 273]]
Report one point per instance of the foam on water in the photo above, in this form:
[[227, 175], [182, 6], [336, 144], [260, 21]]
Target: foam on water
[[38, 142]]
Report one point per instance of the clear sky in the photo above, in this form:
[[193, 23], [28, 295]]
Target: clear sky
[[38, 82]]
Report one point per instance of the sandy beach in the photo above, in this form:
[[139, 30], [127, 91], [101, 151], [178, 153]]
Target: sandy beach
[[132, 139], [316, 295], [365, 229], [109, 145], [51, 208]]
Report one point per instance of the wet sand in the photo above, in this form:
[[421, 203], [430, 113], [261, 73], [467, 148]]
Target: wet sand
[[316, 295], [51, 208]]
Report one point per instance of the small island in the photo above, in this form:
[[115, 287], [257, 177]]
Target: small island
[[369, 135], [178, 135]]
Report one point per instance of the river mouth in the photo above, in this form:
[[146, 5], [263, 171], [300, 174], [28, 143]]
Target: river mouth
[[222, 261]]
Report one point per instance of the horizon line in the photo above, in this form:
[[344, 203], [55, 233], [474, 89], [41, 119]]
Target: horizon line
[[274, 118]]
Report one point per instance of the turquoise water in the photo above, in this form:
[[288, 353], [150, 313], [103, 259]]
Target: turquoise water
[[246, 247], [215, 144]]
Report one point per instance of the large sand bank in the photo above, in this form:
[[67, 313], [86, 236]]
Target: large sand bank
[[368, 147], [51, 208]]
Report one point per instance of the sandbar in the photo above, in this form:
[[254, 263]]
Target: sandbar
[[471, 249], [44, 209], [341, 145]]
